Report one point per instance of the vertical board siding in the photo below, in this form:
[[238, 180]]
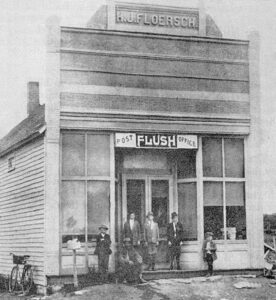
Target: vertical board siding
[[22, 208]]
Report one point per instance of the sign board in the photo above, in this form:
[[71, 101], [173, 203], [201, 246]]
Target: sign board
[[155, 140], [156, 19]]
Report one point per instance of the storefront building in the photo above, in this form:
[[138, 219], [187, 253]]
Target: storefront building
[[150, 109]]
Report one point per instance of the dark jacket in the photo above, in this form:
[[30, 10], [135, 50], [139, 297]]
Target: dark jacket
[[213, 249], [103, 244], [175, 240], [134, 234]]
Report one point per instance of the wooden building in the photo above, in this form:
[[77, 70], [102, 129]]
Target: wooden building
[[148, 108]]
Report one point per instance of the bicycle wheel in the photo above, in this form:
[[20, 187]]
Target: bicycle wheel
[[27, 279], [13, 279]]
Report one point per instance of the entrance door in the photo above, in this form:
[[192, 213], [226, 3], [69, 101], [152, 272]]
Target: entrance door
[[143, 193]]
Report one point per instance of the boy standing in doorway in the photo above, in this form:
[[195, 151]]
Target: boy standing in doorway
[[151, 237], [209, 252]]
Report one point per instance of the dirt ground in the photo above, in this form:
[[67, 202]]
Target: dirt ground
[[218, 288]]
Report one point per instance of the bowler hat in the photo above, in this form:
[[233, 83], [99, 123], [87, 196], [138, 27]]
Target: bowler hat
[[103, 226], [150, 213], [174, 214], [209, 233]]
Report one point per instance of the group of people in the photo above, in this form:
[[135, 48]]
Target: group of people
[[130, 260]]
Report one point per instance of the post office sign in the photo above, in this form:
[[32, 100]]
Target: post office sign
[[155, 140]]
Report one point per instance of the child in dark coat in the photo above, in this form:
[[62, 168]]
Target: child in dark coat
[[209, 252], [103, 251]]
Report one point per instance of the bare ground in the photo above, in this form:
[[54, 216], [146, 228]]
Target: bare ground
[[218, 287]]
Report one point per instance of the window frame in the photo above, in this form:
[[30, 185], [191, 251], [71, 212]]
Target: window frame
[[225, 180], [11, 167], [85, 178]]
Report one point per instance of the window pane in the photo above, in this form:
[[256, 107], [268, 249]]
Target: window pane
[[136, 198], [212, 157], [213, 209], [160, 204], [98, 194], [187, 209], [186, 164], [235, 211], [73, 154], [73, 207], [234, 157], [98, 155]]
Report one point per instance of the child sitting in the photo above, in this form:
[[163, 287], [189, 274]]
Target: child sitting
[[209, 252]]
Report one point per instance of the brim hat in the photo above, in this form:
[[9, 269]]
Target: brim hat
[[174, 214], [209, 233], [103, 226], [150, 213]]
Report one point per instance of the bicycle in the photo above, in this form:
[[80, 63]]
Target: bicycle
[[25, 281]]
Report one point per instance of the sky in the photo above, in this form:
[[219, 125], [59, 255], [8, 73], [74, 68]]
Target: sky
[[22, 56]]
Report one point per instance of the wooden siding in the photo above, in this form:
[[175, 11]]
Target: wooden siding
[[111, 104], [146, 62], [22, 208], [160, 45]]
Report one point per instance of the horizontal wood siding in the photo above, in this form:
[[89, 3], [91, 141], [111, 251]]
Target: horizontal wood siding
[[122, 63], [153, 82], [98, 62], [22, 208], [86, 103], [159, 45]]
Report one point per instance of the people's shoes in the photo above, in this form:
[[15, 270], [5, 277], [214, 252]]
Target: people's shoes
[[178, 267], [171, 267], [153, 268], [148, 268], [207, 275]]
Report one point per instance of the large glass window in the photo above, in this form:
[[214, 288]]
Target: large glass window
[[224, 188], [187, 209], [97, 205], [73, 153], [212, 157], [187, 192], [186, 164], [213, 208], [85, 187], [98, 149]]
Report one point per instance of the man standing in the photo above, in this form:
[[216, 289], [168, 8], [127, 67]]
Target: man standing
[[130, 264], [175, 237], [132, 230], [151, 237]]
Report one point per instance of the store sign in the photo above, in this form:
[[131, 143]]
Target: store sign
[[157, 17], [155, 140]]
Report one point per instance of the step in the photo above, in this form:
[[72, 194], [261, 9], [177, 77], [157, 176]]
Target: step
[[166, 274]]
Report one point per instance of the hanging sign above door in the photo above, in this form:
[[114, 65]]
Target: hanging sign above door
[[155, 140]]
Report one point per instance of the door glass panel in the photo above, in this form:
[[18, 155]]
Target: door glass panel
[[160, 204], [136, 198]]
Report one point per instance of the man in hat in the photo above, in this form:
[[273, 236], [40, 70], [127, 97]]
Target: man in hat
[[103, 251], [209, 249], [130, 264], [132, 230], [151, 237], [175, 237]]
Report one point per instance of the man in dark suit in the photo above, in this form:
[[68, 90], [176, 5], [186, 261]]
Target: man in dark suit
[[132, 230], [175, 237], [103, 251]]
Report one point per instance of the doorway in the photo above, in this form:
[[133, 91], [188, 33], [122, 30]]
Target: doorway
[[144, 193]]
